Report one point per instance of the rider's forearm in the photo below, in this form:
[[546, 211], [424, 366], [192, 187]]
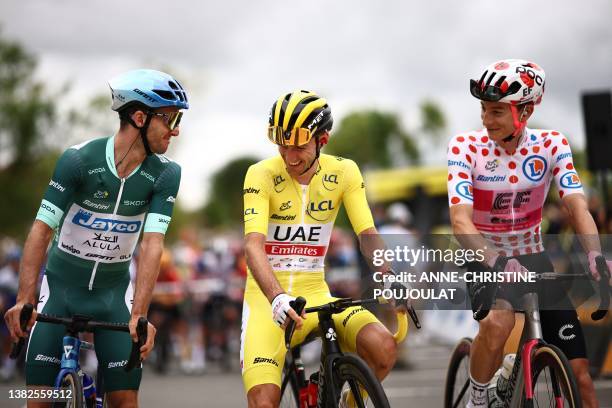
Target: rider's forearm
[[151, 249], [370, 241], [34, 251], [261, 270], [470, 238], [583, 222]]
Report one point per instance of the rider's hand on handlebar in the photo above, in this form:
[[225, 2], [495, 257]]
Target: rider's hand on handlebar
[[509, 265], [146, 348], [592, 256], [12, 322], [402, 304], [281, 308]]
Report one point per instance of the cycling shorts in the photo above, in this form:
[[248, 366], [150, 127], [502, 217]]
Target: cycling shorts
[[560, 326], [262, 349], [112, 348]]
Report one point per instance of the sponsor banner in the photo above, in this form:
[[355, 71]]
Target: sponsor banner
[[96, 236]]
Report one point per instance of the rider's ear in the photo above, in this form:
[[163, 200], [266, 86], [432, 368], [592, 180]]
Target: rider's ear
[[526, 112], [139, 118], [324, 138]]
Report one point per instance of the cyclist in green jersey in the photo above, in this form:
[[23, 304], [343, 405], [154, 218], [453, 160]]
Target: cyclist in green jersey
[[102, 195]]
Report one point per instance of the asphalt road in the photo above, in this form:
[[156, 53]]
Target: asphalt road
[[421, 386]]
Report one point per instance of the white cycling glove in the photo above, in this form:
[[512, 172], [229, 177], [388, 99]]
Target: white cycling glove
[[280, 307]]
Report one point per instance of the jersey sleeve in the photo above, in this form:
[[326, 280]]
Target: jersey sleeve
[[459, 163], [256, 200], [564, 173], [354, 198], [165, 190], [66, 178]]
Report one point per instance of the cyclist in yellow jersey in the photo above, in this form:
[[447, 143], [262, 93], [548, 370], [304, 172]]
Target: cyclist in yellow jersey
[[290, 204]]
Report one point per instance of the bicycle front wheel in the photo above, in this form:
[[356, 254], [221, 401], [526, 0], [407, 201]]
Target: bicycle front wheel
[[554, 383], [457, 388], [71, 386], [357, 384], [289, 388]]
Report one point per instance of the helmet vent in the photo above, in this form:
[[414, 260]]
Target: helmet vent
[[165, 94]]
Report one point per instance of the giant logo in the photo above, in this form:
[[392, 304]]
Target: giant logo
[[464, 189], [570, 180], [534, 167], [88, 220]]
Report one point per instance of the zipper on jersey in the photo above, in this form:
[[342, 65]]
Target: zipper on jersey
[[302, 219], [95, 268]]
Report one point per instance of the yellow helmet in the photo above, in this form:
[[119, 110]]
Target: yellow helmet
[[297, 116]]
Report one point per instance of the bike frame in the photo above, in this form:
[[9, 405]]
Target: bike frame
[[521, 379], [71, 346], [330, 350]]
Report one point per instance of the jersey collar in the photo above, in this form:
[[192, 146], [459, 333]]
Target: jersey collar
[[110, 158]]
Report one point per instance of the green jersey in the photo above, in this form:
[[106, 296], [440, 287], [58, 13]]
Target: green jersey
[[98, 217]]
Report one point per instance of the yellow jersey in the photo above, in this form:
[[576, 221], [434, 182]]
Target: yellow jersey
[[298, 219]]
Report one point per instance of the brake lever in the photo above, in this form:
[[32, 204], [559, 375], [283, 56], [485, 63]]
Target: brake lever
[[298, 306], [24, 318], [604, 288], [142, 333]]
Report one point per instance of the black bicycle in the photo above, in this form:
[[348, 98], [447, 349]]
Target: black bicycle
[[73, 387], [342, 379], [541, 375]]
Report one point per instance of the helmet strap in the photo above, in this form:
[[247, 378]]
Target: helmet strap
[[518, 123], [141, 129], [318, 153], [143, 134]]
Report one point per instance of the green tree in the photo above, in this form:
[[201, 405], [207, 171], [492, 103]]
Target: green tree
[[372, 138], [27, 114], [432, 119], [224, 207], [25, 111]]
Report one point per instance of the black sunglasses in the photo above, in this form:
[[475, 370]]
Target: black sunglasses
[[492, 93]]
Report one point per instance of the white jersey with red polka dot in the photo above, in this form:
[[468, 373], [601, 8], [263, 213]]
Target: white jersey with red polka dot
[[507, 190]]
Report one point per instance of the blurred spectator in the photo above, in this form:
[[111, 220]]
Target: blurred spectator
[[166, 315], [9, 282]]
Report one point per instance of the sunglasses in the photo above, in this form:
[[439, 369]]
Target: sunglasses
[[172, 120], [293, 137], [491, 93]]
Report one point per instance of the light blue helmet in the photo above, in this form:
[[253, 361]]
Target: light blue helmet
[[151, 88]]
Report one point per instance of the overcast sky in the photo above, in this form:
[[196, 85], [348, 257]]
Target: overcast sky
[[236, 57]]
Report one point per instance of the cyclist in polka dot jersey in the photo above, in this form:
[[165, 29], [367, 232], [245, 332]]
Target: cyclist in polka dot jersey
[[498, 180], [507, 190]]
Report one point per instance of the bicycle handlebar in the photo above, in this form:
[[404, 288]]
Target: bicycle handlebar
[[82, 324], [24, 318], [297, 305], [604, 288], [338, 306]]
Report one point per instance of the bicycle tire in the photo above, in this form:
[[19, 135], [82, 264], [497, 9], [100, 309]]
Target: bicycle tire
[[352, 370], [456, 389], [560, 379], [290, 396], [71, 381]]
